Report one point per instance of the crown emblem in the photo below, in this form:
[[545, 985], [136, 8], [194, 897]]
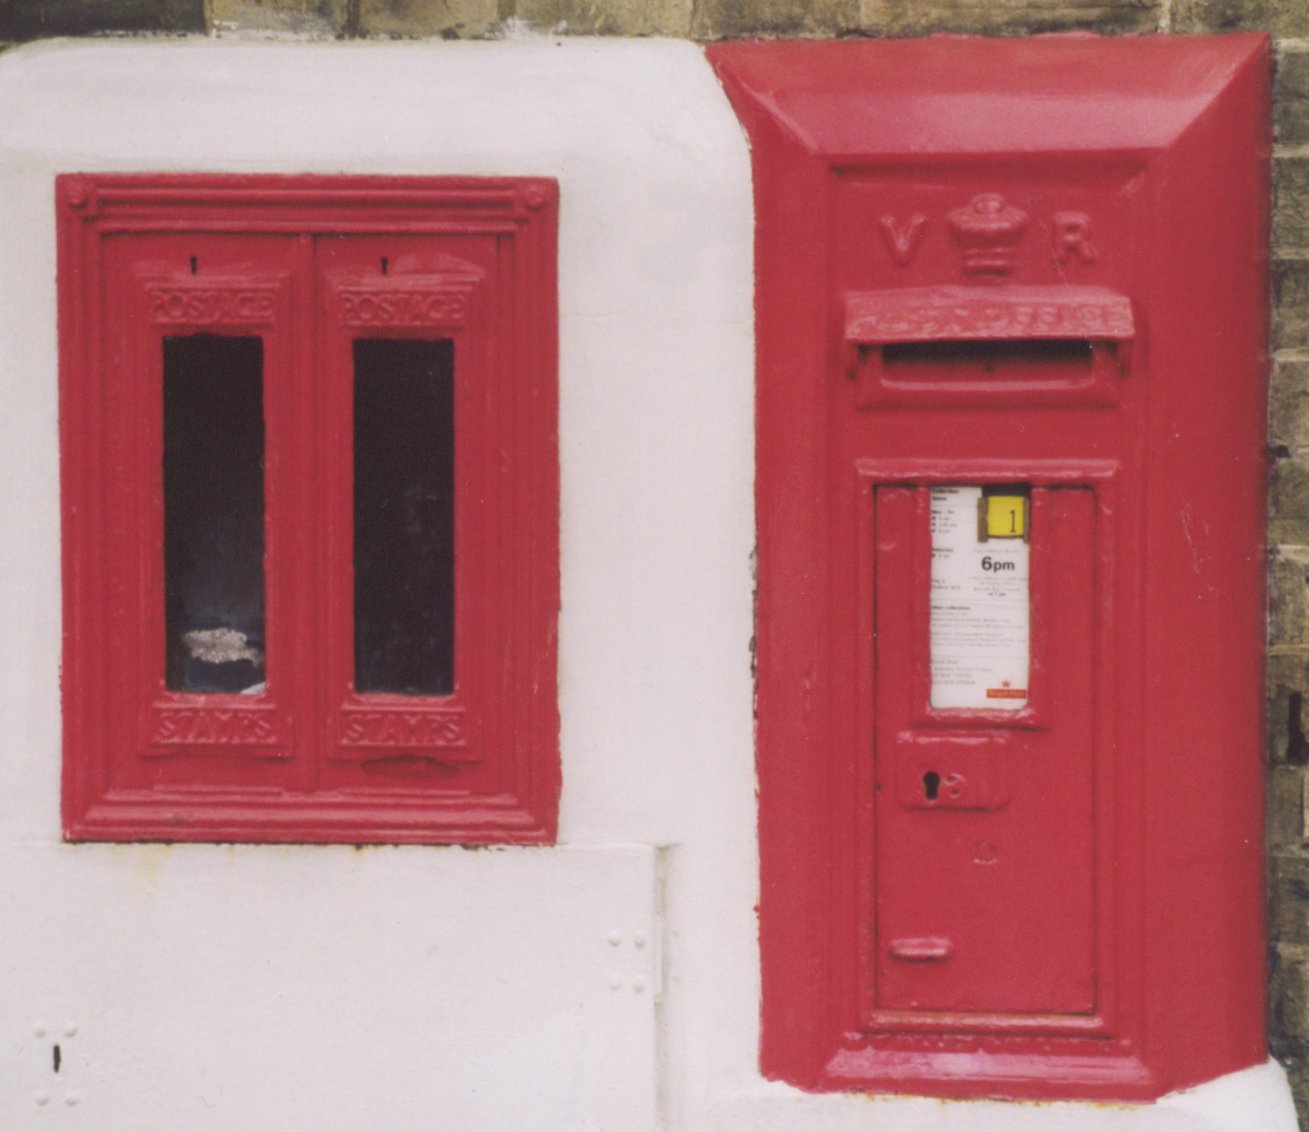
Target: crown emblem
[[988, 230]]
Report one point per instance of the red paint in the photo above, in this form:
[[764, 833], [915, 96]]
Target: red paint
[[1072, 904], [299, 263]]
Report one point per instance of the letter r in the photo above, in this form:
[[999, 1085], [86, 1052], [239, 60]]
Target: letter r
[[1072, 238]]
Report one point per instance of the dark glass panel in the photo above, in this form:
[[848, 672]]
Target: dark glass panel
[[404, 516], [214, 513]]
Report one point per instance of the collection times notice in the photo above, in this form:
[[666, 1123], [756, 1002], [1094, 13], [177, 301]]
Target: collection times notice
[[981, 609]]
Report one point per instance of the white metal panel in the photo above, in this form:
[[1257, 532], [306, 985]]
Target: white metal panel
[[330, 988]]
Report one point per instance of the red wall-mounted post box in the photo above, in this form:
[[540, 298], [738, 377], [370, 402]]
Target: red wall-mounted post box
[[1011, 332]]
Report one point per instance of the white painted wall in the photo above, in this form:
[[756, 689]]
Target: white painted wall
[[609, 983]]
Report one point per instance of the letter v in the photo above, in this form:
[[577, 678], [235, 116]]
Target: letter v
[[902, 240]]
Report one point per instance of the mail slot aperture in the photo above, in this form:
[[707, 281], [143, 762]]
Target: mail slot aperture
[[977, 345]]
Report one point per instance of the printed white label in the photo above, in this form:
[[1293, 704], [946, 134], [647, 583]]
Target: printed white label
[[981, 609]]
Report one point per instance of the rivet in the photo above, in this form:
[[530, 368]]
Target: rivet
[[615, 938], [638, 984], [639, 939], [72, 1099], [534, 197], [70, 1029], [79, 195], [39, 1030], [42, 1098], [615, 981]]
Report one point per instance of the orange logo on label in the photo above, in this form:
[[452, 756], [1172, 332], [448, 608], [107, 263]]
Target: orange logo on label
[[1006, 693]]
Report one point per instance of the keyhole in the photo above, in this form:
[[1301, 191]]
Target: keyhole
[[931, 784], [58, 1057], [194, 264], [385, 265]]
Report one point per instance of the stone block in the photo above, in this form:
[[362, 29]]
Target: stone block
[[1289, 417], [919, 17], [37, 19], [298, 17], [1280, 18], [1291, 204], [427, 19], [1290, 531], [1299, 1081], [1291, 98], [1286, 819], [1291, 304], [1289, 497], [1288, 709], [1288, 902], [1289, 995], [608, 17], [1288, 604], [724, 19]]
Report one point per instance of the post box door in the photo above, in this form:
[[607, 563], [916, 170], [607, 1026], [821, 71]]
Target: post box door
[[984, 815]]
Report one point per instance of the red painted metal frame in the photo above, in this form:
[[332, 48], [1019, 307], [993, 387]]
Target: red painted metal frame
[[297, 262], [872, 163]]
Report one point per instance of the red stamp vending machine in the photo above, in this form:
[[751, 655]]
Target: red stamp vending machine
[[310, 508]]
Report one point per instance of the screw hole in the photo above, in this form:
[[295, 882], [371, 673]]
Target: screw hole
[[931, 785]]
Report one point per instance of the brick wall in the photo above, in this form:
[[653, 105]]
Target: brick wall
[[1288, 671], [697, 19], [1286, 20]]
